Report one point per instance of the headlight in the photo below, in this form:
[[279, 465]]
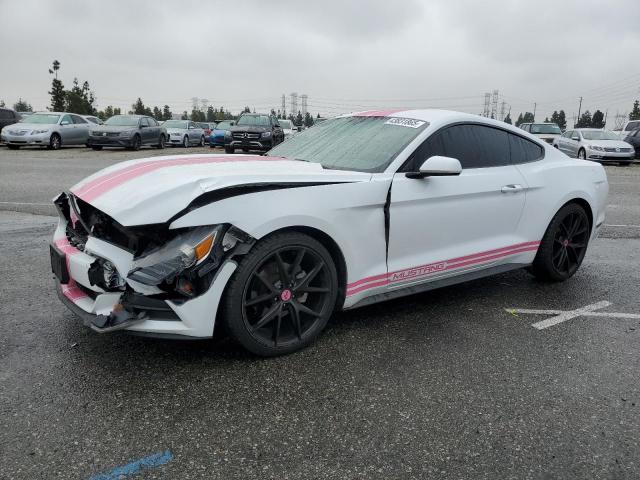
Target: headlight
[[596, 148], [184, 251], [266, 134], [126, 133], [94, 133], [36, 132]]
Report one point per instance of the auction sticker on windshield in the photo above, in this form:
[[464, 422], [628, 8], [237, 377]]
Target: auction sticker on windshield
[[405, 122]]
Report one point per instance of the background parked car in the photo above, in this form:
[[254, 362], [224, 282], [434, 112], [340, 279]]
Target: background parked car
[[546, 131], [628, 127], [92, 119], [254, 131], [184, 132], [128, 131], [216, 139], [8, 117], [633, 138], [47, 129], [288, 128], [595, 144]]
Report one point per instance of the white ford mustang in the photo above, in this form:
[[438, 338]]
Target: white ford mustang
[[358, 209]]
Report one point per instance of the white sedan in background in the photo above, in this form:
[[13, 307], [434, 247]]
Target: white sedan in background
[[287, 128], [595, 144], [184, 133], [356, 210]]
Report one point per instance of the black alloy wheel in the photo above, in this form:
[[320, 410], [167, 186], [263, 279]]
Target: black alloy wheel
[[582, 154], [55, 142], [282, 295], [135, 143], [185, 141], [564, 244]]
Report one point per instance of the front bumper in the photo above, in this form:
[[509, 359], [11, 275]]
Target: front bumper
[[262, 145], [610, 156], [175, 138], [108, 141], [139, 308], [26, 140], [216, 141]]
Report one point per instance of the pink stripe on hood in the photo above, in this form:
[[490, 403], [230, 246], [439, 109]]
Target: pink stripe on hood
[[101, 185]]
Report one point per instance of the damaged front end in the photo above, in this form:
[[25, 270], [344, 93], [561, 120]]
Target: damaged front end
[[148, 278]]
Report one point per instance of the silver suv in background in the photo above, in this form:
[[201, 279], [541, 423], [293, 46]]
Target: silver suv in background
[[544, 131]]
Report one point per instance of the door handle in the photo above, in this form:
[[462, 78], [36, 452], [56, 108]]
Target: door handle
[[511, 188]]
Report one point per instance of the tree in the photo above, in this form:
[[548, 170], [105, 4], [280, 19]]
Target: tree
[[157, 113], [507, 119], [138, 108], [597, 121], [106, 113], [117, 111], [585, 120], [635, 113], [166, 113], [2, 103], [246, 110], [559, 119], [185, 116], [80, 99], [22, 106], [299, 119], [197, 115], [211, 114], [308, 120], [57, 90], [519, 120]]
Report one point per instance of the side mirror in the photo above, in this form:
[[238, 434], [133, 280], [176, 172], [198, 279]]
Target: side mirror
[[65, 122], [142, 126], [437, 166]]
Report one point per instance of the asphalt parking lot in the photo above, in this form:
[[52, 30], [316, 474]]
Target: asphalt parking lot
[[454, 383]]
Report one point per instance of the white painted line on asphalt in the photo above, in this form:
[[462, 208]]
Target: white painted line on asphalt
[[562, 315], [625, 226], [27, 203]]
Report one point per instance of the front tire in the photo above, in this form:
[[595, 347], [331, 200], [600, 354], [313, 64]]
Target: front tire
[[96, 147], [582, 154], [229, 150], [13, 147], [161, 142], [563, 245], [185, 141], [55, 142], [282, 295], [202, 142]]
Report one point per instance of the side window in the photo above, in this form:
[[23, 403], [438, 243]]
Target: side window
[[5, 114], [526, 128], [152, 122], [78, 119], [144, 122], [575, 136], [632, 126], [523, 150], [475, 146], [66, 118]]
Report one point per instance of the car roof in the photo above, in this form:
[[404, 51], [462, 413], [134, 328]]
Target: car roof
[[435, 117], [589, 129]]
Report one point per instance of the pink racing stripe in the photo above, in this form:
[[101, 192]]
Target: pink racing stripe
[[379, 113], [438, 267], [105, 183], [71, 289]]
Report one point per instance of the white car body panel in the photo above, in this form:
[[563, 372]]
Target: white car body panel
[[439, 227]]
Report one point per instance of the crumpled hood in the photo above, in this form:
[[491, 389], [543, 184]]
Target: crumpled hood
[[153, 190]]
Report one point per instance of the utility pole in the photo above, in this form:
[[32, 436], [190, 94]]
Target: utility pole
[[284, 115], [487, 104], [579, 108]]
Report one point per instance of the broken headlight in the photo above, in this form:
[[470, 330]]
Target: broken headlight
[[184, 251]]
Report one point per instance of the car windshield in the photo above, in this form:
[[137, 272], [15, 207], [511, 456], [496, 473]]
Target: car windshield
[[223, 126], [545, 128], [364, 144], [122, 121], [285, 124], [41, 118], [599, 135], [254, 121], [632, 126], [176, 124]]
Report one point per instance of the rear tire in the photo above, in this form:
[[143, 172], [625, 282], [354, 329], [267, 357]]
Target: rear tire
[[563, 245], [624, 164], [13, 147], [229, 150], [282, 294], [96, 147], [185, 142], [202, 141]]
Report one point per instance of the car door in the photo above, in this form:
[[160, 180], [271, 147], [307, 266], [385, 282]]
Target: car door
[[562, 141], [81, 129], [145, 130], [445, 225], [573, 144], [67, 130], [154, 131]]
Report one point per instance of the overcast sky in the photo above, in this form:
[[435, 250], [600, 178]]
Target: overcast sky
[[345, 55]]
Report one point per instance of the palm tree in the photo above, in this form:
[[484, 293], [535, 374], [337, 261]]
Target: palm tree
[[56, 67]]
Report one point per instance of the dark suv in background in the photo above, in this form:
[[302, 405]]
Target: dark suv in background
[[254, 131], [8, 117]]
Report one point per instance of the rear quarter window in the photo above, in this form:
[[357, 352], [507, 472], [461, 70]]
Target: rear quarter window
[[523, 150]]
